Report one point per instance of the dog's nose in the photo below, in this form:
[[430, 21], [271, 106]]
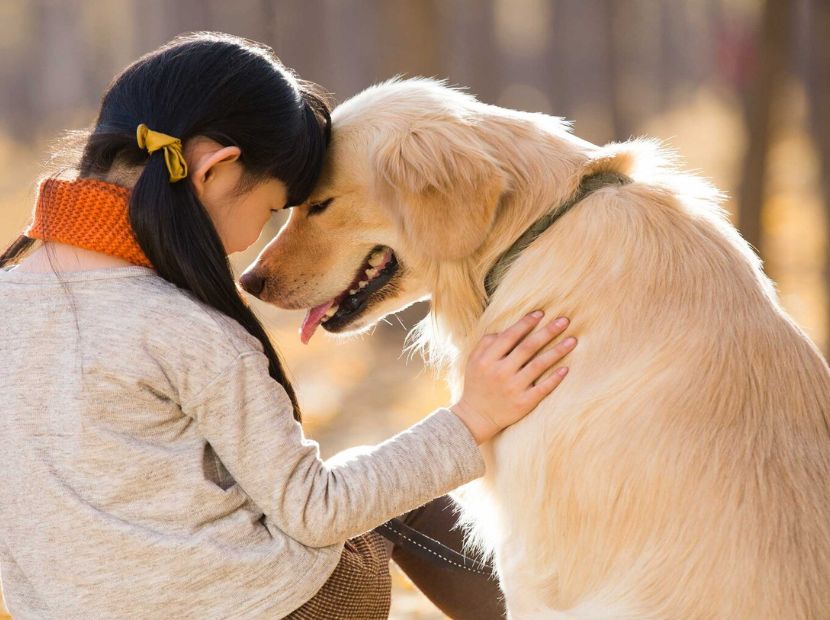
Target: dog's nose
[[252, 282]]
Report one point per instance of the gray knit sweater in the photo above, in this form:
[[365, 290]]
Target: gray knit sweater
[[152, 468]]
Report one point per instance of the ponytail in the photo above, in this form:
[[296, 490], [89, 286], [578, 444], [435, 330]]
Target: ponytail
[[176, 233]]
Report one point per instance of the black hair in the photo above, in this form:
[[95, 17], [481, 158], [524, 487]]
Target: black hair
[[237, 93]]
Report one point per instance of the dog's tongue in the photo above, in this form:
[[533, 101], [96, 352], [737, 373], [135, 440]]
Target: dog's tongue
[[312, 320]]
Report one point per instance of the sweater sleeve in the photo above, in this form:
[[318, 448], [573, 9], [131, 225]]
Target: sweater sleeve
[[247, 418]]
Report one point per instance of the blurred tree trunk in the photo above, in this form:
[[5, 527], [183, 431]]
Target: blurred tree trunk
[[612, 20], [550, 79], [21, 72], [559, 59], [301, 38], [472, 54], [62, 79], [410, 34], [818, 88], [352, 26], [667, 65], [762, 95]]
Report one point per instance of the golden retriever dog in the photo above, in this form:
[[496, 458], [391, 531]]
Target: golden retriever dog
[[682, 470]]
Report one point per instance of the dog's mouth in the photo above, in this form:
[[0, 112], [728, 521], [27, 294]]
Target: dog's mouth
[[376, 272]]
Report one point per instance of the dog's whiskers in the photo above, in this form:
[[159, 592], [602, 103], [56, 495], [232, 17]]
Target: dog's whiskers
[[398, 319]]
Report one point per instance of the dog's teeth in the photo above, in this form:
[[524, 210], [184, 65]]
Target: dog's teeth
[[353, 291], [362, 284], [372, 273], [376, 258], [330, 312]]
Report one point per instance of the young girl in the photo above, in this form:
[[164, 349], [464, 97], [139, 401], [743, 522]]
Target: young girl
[[154, 463]]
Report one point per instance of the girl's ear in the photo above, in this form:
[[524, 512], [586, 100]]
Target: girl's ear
[[207, 159], [442, 185]]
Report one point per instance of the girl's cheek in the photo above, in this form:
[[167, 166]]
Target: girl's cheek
[[253, 230]]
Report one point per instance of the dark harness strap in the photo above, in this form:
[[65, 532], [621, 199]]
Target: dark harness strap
[[589, 184], [400, 534]]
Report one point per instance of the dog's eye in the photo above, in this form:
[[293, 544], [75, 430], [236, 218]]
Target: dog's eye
[[319, 207]]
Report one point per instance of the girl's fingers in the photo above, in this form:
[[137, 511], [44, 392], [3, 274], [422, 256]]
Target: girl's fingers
[[543, 362], [531, 345], [506, 341], [547, 385]]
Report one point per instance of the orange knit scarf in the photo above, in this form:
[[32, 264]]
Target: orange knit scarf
[[88, 214]]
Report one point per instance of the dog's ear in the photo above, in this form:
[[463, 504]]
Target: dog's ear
[[442, 184]]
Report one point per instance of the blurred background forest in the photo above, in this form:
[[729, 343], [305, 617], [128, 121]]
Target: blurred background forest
[[741, 88]]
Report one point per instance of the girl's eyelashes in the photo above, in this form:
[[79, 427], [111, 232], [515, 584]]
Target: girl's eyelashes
[[319, 207]]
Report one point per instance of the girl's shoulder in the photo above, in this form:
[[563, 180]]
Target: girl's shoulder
[[129, 307], [170, 332], [126, 323], [178, 316]]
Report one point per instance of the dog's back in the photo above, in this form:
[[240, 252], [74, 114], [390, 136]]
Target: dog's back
[[683, 469]]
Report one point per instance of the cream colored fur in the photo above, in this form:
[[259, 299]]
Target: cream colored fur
[[682, 470]]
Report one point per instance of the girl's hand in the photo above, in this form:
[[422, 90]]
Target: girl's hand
[[500, 383]]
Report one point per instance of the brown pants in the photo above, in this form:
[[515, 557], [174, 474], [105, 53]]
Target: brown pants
[[360, 586]]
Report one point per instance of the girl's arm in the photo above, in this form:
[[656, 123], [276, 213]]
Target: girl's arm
[[247, 418]]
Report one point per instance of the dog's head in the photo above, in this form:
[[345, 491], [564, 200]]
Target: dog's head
[[409, 185]]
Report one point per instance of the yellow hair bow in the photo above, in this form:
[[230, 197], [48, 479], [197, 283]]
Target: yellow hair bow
[[152, 141]]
